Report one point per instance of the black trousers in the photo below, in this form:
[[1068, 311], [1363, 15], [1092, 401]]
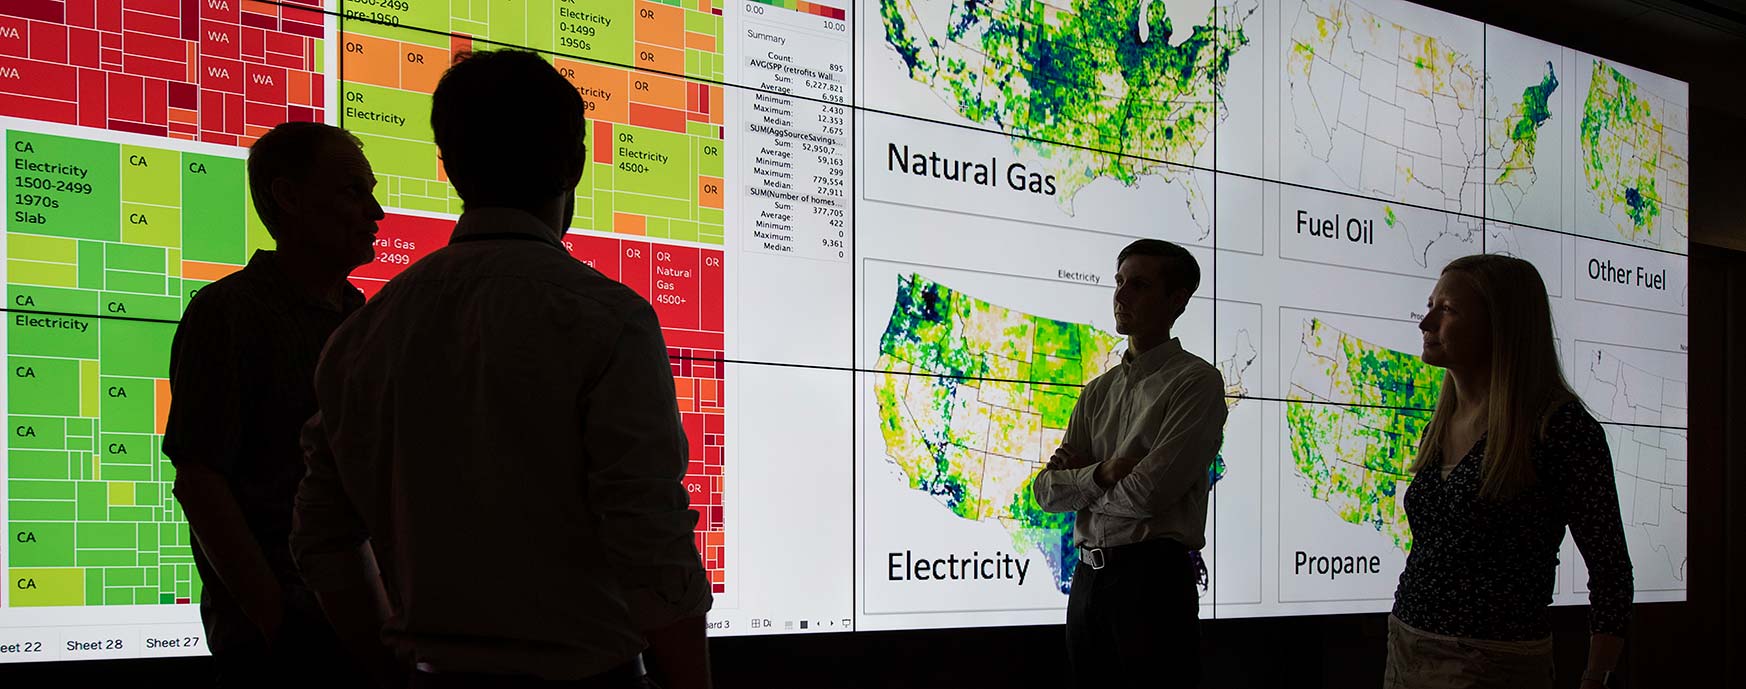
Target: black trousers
[[307, 655], [1136, 622]]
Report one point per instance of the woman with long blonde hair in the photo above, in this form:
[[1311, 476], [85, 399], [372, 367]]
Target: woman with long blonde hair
[[1509, 459]]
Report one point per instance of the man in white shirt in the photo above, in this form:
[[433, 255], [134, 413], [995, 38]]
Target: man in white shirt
[[1134, 467], [499, 430]]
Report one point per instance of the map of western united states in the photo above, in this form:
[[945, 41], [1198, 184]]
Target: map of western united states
[[1122, 89], [1649, 455], [1634, 155], [1355, 413], [974, 398]]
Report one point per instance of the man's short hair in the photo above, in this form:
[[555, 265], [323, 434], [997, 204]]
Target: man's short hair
[[509, 127], [1181, 271], [289, 150]]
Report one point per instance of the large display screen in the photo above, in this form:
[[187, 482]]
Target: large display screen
[[880, 236]]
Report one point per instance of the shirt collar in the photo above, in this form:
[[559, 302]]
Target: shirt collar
[[1145, 364], [265, 264], [499, 220]]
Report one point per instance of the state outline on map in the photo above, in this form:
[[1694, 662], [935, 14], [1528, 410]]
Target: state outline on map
[[1528, 128], [1115, 205], [1438, 58], [1226, 25], [1458, 94], [1244, 348], [1670, 120], [1427, 259], [1675, 492], [1382, 539]]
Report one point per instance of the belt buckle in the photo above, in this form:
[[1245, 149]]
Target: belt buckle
[[1093, 557]]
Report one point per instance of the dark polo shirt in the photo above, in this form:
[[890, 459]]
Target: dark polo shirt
[[242, 373]]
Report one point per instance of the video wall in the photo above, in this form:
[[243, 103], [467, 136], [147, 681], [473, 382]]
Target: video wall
[[880, 236]]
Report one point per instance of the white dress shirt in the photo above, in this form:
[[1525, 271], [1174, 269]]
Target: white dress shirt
[[500, 424], [1167, 407]]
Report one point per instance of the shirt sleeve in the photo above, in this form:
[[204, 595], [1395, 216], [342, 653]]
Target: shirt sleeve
[[206, 396], [1071, 490], [637, 454], [1188, 440], [1591, 499], [326, 530]]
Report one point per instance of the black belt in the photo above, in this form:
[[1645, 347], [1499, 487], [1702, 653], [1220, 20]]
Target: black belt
[[1099, 558]]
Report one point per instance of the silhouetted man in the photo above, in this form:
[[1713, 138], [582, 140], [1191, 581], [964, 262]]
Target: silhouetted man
[[241, 377], [499, 431], [1134, 466]]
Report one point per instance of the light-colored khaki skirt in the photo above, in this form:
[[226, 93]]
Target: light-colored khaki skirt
[[1418, 659]]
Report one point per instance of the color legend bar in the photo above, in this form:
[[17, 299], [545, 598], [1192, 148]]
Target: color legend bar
[[805, 7]]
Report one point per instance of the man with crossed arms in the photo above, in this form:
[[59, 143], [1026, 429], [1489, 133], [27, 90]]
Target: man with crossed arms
[[1134, 467]]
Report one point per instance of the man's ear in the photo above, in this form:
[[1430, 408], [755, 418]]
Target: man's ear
[[573, 178], [1181, 298], [288, 197]]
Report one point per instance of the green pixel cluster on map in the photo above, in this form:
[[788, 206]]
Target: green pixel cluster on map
[[1523, 125], [1355, 414], [1434, 90], [1114, 80], [1627, 152], [973, 400], [1412, 136], [974, 397], [107, 244]]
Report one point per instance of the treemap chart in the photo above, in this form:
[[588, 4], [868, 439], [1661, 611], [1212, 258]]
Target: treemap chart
[[880, 237]]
